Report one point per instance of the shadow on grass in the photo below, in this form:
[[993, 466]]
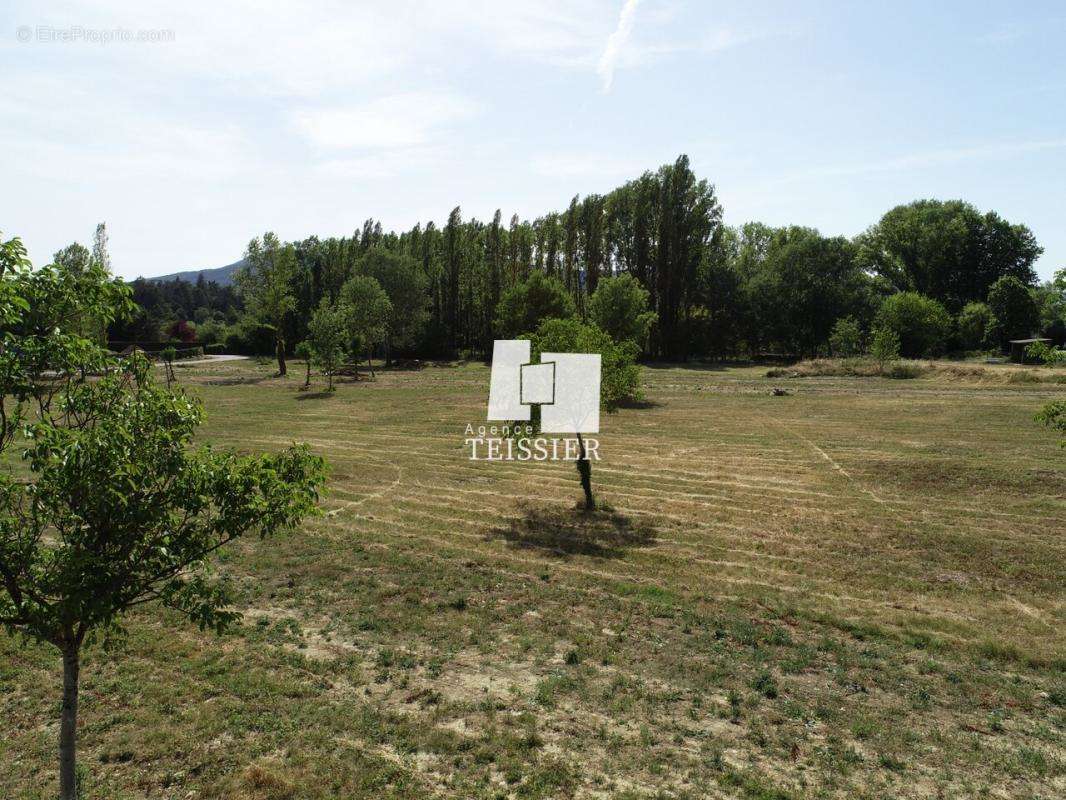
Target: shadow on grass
[[315, 395], [239, 380], [604, 533], [642, 403]]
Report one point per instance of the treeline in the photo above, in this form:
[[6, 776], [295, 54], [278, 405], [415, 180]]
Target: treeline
[[943, 275]]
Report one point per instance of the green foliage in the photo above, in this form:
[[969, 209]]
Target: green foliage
[[329, 335], [800, 283], [1054, 416], [405, 284], [619, 374], [1041, 351], [369, 311], [117, 508], [1014, 309], [125, 510], [846, 339], [619, 306], [974, 325], [948, 250], [884, 345], [526, 305], [265, 284], [921, 323]]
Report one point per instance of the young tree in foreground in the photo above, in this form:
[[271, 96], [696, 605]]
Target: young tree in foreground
[[118, 510], [265, 283], [329, 337], [619, 375]]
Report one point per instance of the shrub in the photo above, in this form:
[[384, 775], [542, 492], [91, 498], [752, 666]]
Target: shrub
[[884, 346], [846, 339], [921, 323], [215, 349], [1040, 351], [975, 325]]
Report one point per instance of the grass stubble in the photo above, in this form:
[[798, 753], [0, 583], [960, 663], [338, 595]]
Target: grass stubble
[[852, 591]]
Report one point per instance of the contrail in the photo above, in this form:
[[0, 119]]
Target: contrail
[[615, 43]]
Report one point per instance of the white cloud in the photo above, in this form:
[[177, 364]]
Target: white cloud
[[616, 43], [396, 121]]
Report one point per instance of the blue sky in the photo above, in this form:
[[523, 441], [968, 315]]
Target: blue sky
[[309, 117]]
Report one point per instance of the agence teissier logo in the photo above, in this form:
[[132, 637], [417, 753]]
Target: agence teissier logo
[[566, 388]]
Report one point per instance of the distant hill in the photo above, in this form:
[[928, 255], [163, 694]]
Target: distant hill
[[223, 276]]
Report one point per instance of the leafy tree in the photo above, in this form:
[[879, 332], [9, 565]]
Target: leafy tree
[[265, 284], [329, 335], [1054, 416], [884, 346], [1014, 309], [526, 304], [405, 284], [619, 374], [619, 306], [846, 339], [303, 350], [948, 250], [800, 284], [921, 323], [117, 508], [369, 312], [974, 325]]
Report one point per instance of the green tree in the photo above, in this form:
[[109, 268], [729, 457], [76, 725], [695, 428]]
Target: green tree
[[117, 509], [800, 283], [303, 350], [846, 339], [921, 323], [884, 346], [1014, 309], [329, 335], [974, 324], [405, 284], [528, 303], [1054, 416], [619, 374], [369, 312], [619, 306], [265, 284], [948, 250]]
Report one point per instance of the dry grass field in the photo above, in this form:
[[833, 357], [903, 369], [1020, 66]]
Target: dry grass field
[[857, 590]]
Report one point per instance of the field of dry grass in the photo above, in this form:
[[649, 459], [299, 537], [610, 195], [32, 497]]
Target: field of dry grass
[[855, 590]]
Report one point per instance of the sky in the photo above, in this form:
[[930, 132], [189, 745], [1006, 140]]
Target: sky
[[190, 128]]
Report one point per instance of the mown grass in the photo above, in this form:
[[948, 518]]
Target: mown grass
[[855, 590]]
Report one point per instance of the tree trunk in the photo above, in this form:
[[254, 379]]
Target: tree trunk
[[68, 723], [281, 356], [388, 352], [307, 380], [584, 469]]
